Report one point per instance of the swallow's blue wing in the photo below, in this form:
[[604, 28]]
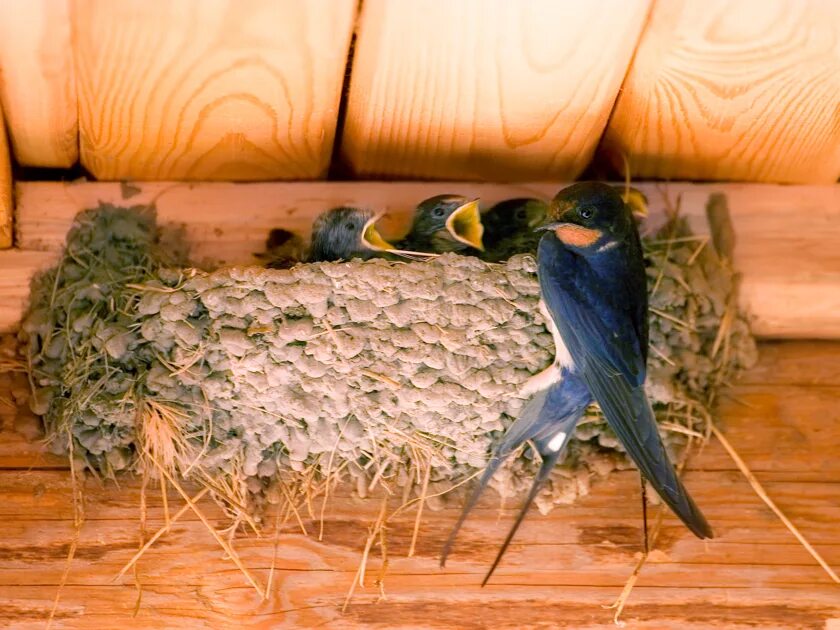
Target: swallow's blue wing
[[596, 323]]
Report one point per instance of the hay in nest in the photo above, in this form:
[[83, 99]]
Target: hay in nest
[[387, 374]]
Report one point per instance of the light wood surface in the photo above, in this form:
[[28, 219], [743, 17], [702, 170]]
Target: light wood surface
[[6, 197], [16, 270], [38, 89], [485, 89], [733, 90], [560, 571], [785, 234], [208, 90]]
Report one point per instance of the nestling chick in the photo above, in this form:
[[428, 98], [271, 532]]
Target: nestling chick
[[344, 233], [445, 223], [283, 249], [509, 228]]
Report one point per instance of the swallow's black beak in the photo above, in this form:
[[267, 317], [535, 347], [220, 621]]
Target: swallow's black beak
[[551, 225]]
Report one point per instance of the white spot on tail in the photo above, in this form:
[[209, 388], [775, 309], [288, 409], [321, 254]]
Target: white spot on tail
[[561, 353], [557, 442]]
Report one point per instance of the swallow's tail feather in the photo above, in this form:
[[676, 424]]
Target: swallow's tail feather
[[523, 429], [489, 471], [543, 474]]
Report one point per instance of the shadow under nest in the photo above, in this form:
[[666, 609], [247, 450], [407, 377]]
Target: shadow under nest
[[274, 385]]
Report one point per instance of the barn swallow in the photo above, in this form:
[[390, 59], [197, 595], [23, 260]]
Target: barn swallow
[[445, 223], [592, 279], [594, 292], [509, 228], [344, 233]]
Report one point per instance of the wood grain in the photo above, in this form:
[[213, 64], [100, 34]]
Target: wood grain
[[16, 270], [791, 270], [6, 198], [38, 90], [208, 90], [723, 90], [560, 571], [485, 89]]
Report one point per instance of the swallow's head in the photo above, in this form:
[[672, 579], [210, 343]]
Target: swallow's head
[[452, 222], [344, 233], [588, 216]]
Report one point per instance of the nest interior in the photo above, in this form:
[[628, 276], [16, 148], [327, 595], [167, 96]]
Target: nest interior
[[381, 373]]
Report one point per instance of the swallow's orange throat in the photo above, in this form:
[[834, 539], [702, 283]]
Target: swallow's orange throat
[[577, 236]]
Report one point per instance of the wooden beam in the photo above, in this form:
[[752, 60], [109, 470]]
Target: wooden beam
[[6, 197], [561, 569], [791, 271], [38, 90], [194, 90], [16, 270], [485, 89], [723, 90]]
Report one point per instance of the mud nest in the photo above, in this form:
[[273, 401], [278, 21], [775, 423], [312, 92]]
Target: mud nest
[[260, 383]]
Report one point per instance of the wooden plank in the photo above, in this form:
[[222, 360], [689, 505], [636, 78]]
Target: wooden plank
[[38, 90], [232, 90], [562, 568], [6, 198], [477, 89], [16, 270], [723, 90], [20, 430], [780, 256]]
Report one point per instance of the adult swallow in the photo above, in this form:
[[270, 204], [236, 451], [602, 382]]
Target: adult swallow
[[445, 223], [593, 282], [344, 233], [509, 228], [594, 298]]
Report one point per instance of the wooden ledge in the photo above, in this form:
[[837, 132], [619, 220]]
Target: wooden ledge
[[787, 236]]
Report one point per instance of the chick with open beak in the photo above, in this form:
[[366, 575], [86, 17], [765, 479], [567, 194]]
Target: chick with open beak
[[509, 228], [445, 223], [344, 233]]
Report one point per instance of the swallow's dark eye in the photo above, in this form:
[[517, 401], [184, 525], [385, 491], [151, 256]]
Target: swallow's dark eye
[[587, 212], [520, 214], [349, 227], [438, 212]]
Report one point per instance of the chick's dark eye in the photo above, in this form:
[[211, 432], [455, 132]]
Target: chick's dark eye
[[438, 212], [349, 227], [520, 214], [587, 212]]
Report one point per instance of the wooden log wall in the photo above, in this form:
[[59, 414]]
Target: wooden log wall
[[791, 278], [560, 571], [447, 89], [39, 82]]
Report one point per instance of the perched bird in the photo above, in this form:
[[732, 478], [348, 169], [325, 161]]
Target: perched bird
[[594, 289], [509, 228], [344, 233], [445, 223]]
